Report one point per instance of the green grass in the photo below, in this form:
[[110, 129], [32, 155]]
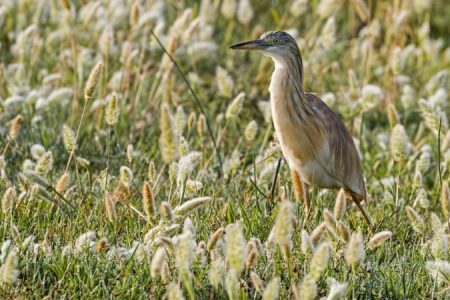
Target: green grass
[[44, 47]]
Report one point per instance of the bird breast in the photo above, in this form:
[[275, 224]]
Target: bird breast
[[294, 132]]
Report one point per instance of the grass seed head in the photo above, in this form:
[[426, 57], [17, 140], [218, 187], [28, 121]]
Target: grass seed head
[[340, 205], [126, 176], [283, 228], [445, 199], [8, 200], [245, 12], [62, 182], [337, 289], [308, 288], [92, 81], [174, 292], [355, 251], [15, 127], [257, 282], [399, 143], [8, 271], [112, 112], [166, 211], [415, 219], [69, 138], [235, 247], [216, 272], [148, 201], [307, 244], [157, 261], [251, 130], [110, 207], [379, 239], [272, 290], [319, 260], [167, 140], [234, 108], [44, 164], [215, 238]]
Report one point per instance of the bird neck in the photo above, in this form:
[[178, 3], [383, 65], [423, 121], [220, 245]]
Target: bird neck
[[288, 75]]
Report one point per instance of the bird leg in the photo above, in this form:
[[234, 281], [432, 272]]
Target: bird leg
[[301, 190], [363, 211]]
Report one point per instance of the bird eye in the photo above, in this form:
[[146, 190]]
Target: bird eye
[[276, 41]]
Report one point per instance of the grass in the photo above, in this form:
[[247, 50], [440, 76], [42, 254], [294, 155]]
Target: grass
[[377, 63]]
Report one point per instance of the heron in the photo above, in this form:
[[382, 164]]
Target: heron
[[314, 140]]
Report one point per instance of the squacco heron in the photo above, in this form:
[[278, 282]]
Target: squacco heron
[[315, 142]]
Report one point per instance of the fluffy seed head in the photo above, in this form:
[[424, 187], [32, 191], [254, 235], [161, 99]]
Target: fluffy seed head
[[284, 228], [44, 164], [318, 232], [92, 81], [307, 244], [415, 219], [272, 290], [355, 252], [245, 12], [167, 140], [8, 199], [320, 259], [112, 111], [69, 138], [174, 292], [340, 205], [250, 131], [216, 272], [166, 211], [158, 259], [224, 82], [337, 289], [8, 271], [235, 247], [215, 238], [257, 282], [343, 231], [399, 143], [379, 239], [201, 125], [235, 106], [110, 207], [148, 201], [439, 270], [184, 247], [126, 176], [308, 288], [15, 127], [62, 182]]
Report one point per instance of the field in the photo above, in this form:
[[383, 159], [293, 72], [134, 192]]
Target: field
[[138, 157]]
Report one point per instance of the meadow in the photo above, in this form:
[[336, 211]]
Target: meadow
[[138, 158]]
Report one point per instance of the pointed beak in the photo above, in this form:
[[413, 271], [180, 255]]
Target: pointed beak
[[252, 45]]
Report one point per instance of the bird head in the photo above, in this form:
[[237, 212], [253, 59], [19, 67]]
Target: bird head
[[276, 44]]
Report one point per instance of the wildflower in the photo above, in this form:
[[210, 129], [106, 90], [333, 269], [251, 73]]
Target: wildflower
[[320, 260], [235, 106], [245, 12], [355, 252], [157, 262], [126, 176], [399, 143], [224, 82], [148, 201], [216, 272], [8, 271], [92, 81], [235, 248], [379, 239], [337, 289], [112, 111], [167, 140], [250, 131], [69, 138], [272, 290]]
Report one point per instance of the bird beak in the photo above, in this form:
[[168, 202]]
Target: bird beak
[[259, 44]]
